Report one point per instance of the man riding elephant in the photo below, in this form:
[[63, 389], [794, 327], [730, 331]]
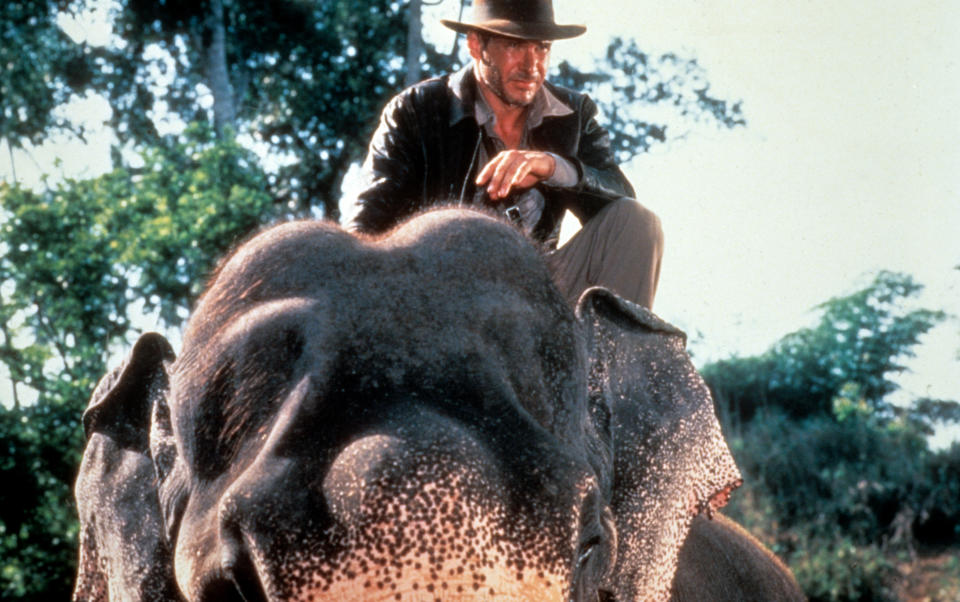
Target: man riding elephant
[[427, 414], [496, 133]]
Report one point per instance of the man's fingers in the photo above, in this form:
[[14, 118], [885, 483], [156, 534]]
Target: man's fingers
[[502, 180], [492, 173], [486, 172], [514, 169], [519, 175]]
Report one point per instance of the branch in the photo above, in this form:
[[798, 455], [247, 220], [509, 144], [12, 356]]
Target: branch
[[52, 335], [13, 168], [456, 37], [7, 350], [414, 43]]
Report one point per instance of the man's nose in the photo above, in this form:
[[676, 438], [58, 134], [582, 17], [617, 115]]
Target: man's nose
[[529, 59]]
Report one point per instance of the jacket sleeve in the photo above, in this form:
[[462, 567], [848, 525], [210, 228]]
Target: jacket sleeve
[[600, 180], [392, 170]]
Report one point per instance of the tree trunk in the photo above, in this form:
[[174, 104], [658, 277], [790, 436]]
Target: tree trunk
[[456, 39], [414, 42], [214, 41]]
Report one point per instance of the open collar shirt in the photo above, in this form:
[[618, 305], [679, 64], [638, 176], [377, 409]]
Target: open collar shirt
[[529, 203]]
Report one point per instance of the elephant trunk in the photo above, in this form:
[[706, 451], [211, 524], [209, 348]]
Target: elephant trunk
[[411, 507]]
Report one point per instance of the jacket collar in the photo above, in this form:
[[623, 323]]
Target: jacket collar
[[466, 102]]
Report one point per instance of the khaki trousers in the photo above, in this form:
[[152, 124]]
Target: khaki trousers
[[621, 249]]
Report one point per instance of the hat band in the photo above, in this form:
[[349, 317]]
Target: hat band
[[527, 30]]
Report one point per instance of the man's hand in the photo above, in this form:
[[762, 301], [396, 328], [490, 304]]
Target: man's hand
[[515, 169]]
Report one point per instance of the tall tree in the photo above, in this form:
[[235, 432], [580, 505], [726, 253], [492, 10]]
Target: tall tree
[[304, 79], [414, 42], [213, 41], [41, 67]]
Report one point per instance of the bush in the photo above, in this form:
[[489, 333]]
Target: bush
[[835, 569], [856, 470], [842, 498], [829, 566], [939, 523]]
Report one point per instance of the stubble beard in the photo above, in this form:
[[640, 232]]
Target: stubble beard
[[493, 78]]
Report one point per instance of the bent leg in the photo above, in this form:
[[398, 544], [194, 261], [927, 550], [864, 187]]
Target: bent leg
[[621, 249]]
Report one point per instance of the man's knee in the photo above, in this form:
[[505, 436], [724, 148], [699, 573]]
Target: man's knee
[[651, 225], [639, 220]]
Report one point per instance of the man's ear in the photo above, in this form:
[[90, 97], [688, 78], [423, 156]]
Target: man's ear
[[474, 45]]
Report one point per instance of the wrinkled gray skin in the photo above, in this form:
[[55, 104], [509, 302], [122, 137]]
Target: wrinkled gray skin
[[405, 418]]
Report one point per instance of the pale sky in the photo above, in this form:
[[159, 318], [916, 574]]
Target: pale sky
[[849, 163]]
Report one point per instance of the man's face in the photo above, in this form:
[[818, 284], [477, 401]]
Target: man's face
[[511, 68]]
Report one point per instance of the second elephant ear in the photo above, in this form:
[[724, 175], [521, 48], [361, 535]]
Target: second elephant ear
[[669, 458], [122, 401], [123, 554]]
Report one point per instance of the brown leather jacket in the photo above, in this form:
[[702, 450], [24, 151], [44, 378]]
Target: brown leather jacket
[[425, 153]]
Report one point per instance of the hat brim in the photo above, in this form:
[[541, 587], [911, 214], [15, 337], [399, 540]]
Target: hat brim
[[524, 31]]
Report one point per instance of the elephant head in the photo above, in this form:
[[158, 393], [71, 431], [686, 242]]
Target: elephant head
[[419, 416]]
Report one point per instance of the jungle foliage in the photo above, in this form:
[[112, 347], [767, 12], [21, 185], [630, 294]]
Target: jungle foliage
[[840, 481]]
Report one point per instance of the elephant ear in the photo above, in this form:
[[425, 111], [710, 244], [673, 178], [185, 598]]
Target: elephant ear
[[123, 552], [669, 459]]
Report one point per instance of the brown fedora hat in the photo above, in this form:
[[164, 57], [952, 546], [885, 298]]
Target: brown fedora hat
[[525, 19]]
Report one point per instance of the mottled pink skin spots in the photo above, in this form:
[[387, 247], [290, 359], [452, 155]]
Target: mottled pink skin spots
[[437, 532]]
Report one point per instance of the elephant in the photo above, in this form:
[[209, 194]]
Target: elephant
[[414, 416]]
